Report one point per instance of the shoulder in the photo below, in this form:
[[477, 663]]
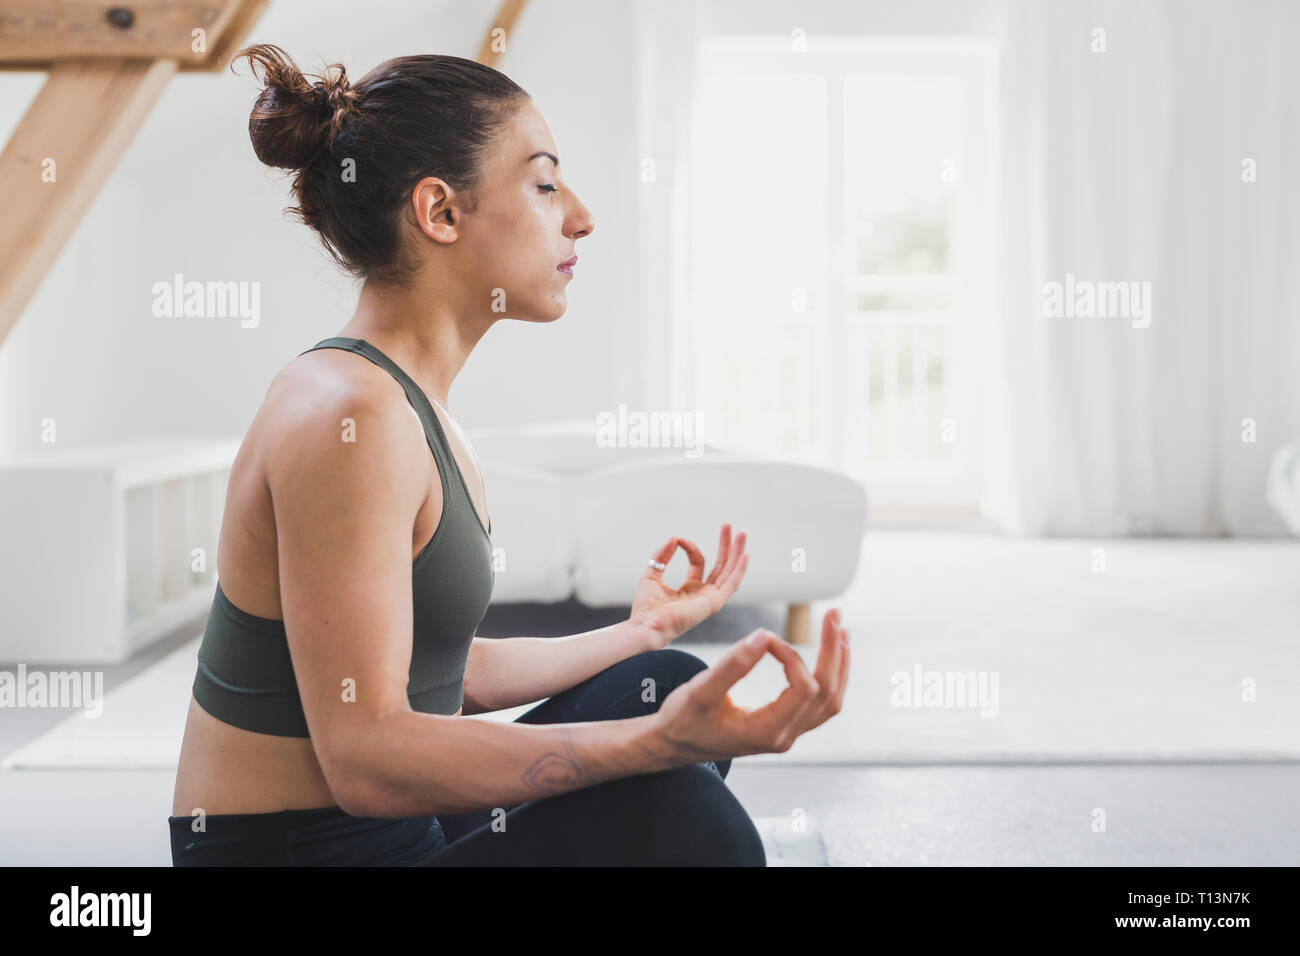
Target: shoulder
[[325, 406]]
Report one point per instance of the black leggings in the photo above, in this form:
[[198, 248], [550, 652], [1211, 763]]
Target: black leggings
[[686, 816]]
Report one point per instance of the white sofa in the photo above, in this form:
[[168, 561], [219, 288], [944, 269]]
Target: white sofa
[[573, 519]]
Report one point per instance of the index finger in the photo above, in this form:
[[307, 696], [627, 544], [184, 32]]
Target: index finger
[[795, 700], [738, 661], [696, 571]]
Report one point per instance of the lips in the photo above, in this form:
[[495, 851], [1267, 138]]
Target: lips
[[567, 266]]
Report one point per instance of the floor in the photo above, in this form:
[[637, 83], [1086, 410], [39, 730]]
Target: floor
[[855, 816], [1198, 812]]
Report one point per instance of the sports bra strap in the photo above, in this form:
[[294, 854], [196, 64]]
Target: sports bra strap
[[414, 394], [447, 464]]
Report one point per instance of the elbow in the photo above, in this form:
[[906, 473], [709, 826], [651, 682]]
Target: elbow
[[354, 783], [356, 800], [354, 796]]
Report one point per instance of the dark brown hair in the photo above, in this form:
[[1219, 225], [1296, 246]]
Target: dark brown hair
[[408, 118]]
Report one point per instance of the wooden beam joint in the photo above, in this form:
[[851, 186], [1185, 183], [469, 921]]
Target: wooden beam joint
[[199, 35]]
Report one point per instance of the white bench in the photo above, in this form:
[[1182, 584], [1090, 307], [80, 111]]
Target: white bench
[[573, 519], [104, 548]]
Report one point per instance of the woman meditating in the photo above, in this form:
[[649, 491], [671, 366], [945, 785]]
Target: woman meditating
[[332, 718]]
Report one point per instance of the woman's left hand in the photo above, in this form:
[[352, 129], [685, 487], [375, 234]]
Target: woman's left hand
[[669, 613]]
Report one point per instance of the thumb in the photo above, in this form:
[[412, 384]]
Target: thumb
[[738, 661]]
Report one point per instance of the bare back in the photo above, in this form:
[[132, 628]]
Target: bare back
[[225, 769]]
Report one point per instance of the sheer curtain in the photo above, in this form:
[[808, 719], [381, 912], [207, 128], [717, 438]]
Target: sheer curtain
[[1145, 144], [655, 331], [1129, 136]]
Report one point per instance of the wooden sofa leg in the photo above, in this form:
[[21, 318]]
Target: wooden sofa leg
[[798, 623]]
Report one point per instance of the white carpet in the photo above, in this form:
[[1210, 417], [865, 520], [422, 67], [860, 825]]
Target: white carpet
[[1144, 661], [787, 846]]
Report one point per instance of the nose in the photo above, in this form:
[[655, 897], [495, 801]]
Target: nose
[[581, 223]]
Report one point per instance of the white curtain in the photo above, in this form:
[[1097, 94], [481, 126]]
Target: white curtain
[[666, 36], [1130, 165]]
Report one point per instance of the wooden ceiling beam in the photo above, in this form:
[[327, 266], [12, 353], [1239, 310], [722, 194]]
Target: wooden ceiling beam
[[488, 54], [37, 34], [107, 67], [106, 70], [57, 159]]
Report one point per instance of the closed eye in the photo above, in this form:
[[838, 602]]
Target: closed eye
[[547, 187]]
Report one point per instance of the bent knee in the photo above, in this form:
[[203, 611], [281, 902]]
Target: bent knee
[[681, 660], [691, 818], [668, 665]]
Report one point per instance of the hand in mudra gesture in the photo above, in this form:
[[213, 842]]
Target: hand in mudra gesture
[[670, 612], [699, 721]]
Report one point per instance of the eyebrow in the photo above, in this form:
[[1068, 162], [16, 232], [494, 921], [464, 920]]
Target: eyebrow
[[550, 156]]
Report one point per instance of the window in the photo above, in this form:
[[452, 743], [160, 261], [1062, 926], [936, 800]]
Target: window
[[840, 255]]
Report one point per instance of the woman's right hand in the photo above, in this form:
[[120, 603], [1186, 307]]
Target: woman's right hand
[[698, 720]]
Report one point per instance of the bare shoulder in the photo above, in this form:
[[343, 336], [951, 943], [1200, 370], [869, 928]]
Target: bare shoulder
[[333, 413]]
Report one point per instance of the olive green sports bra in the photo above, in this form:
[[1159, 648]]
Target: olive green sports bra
[[245, 674]]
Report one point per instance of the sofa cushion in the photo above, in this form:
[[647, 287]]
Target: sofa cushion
[[803, 525], [534, 543]]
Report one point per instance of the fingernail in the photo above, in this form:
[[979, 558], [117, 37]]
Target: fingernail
[[755, 639]]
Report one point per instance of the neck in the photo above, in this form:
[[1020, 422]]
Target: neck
[[422, 329]]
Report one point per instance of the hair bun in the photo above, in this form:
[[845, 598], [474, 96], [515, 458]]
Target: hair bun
[[293, 119], [339, 98]]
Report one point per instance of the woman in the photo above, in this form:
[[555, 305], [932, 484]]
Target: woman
[[339, 665]]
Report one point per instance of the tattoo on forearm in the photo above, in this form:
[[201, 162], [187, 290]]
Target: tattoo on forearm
[[554, 771], [676, 753], [690, 751]]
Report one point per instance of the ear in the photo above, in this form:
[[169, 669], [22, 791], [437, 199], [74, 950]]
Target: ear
[[437, 209]]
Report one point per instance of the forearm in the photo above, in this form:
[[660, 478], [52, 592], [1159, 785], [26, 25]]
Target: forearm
[[417, 764], [509, 671]]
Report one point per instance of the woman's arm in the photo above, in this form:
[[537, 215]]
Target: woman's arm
[[344, 512], [512, 671], [415, 764], [509, 671]]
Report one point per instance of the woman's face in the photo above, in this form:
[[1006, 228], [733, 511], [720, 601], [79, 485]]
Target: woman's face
[[507, 251]]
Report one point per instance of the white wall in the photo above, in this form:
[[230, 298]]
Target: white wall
[[189, 196], [868, 17]]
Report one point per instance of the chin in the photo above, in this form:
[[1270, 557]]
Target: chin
[[550, 312], [542, 318], [556, 310]]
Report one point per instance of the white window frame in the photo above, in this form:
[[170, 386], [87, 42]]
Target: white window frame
[[969, 281]]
